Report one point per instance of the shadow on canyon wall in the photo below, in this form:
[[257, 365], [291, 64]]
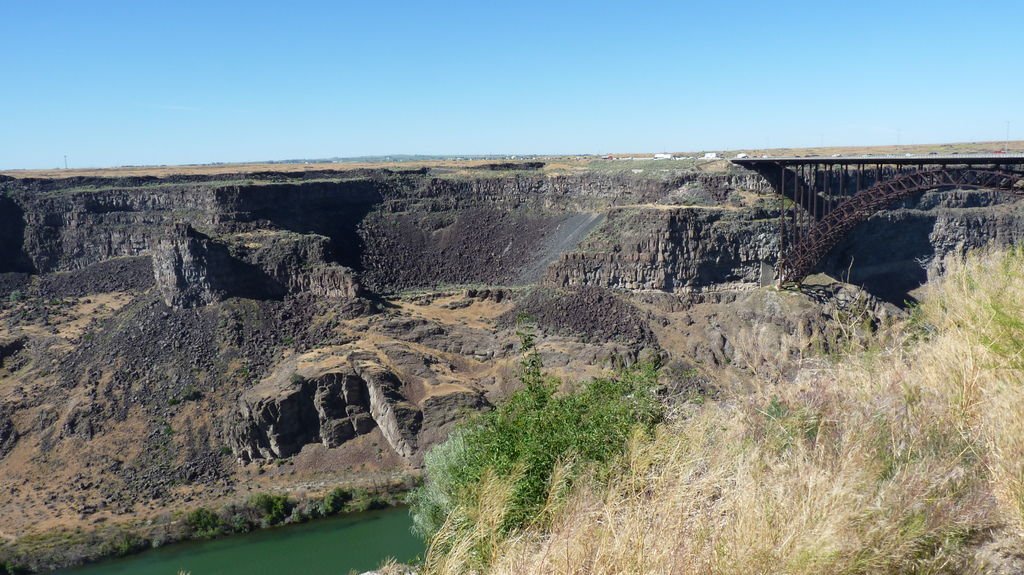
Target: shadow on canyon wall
[[12, 238]]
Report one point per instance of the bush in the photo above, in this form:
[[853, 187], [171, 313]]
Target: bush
[[272, 508], [240, 524], [124, 543], [204, 523], [315, 509], [191, 393], [13, 569], [526, 439], [335, 501], [363, 500]]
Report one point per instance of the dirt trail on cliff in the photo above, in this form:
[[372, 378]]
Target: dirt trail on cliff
[[569, 233]]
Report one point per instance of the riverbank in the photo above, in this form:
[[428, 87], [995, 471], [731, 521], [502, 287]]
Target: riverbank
[[66, 548]]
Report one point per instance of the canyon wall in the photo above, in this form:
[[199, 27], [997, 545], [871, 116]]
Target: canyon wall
[[390, 231], [166, 342]]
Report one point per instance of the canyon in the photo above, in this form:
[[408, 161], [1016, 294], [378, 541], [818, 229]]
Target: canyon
[[183, 340]]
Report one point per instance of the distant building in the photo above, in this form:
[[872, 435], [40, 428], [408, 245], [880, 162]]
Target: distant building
[[711, 155], [662, 156], [741, 155]]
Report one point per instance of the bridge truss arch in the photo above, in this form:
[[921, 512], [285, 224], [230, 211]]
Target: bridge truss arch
[[826, 198]]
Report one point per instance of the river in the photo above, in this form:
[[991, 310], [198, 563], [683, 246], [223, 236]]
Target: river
[[332, 546]]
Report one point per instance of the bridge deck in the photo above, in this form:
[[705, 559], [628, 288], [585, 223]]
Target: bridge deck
[[887, 160]]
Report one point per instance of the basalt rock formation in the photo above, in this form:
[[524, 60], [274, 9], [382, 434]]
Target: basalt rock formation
[[192, 269], [280, 416], [672, 250]]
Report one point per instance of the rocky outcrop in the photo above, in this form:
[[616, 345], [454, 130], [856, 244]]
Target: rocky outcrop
[[281, 415], [397, 229], [399, 420], [186, 269], [325, 280], [297, 263], [278, 420], [194, 270], [10, 346]]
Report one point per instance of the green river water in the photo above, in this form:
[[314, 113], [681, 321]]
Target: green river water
[[333, 546]]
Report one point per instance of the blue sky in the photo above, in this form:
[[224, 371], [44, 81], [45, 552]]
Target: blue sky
[[117, 83]]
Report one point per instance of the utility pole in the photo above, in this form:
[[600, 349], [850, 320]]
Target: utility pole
[[1006, 142], [65, 161]]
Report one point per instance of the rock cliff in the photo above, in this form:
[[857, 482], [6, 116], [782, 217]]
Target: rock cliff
[[671, 249]]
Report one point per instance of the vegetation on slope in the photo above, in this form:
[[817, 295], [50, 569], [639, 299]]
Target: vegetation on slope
[[505, 470], [902, 459]]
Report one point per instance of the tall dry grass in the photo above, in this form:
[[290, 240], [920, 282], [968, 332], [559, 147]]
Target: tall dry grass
[[899, 460]]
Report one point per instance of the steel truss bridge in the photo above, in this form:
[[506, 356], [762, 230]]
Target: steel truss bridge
[[825, 198]]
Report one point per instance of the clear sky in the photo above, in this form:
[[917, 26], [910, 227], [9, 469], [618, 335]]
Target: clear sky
[[139, 82]]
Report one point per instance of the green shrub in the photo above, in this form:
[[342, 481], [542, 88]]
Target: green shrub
[[314, 509], [13, 569], [528, 435], [124, 543], [240, 523], [204, 523], [191, 393], [335, 501], [363, 500], [273, 508]]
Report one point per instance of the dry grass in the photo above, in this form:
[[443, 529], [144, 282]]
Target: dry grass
[[902, 460]]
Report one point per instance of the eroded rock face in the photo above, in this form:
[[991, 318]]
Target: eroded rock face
[[281, 415], [184, 267], [70, 230], [670, 250]]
